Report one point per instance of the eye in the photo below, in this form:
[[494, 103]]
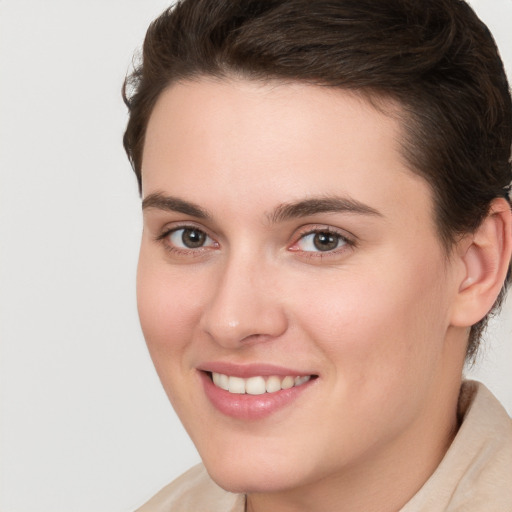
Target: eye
[[189, 238], [320, 241]]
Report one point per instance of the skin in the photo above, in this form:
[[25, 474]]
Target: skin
[[378, 319]]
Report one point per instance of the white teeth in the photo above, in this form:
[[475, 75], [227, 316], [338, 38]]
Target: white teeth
[[257, 385], [301, 380], [236, 385], [273, 384], [223, 381], [288, 382]]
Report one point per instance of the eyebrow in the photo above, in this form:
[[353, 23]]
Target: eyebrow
[[284, 212], [313, 206], [174, 204]]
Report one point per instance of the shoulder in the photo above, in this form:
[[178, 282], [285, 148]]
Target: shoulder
[[475, 472], [194, 490]]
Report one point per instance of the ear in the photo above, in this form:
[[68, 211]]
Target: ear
[[485, 255]]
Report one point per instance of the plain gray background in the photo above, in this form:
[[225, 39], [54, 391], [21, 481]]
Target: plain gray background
[[85, 425]]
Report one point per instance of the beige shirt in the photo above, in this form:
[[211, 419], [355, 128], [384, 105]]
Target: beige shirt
[[475, 475]]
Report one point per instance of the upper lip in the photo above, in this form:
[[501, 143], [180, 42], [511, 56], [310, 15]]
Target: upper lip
[[250, 370]]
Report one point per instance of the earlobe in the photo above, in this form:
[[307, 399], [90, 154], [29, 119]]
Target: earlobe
[[486, 257]]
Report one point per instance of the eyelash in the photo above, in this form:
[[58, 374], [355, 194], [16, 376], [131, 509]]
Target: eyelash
[[346, 242], [179, 250]]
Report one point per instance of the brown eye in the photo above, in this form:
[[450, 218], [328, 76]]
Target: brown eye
[[325, 241], [321, 241], [193, 238], [189, 238]]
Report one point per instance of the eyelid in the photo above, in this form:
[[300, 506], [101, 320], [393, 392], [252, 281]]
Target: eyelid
[[170, 228], [175, 226], [348, 238], [303, 231]]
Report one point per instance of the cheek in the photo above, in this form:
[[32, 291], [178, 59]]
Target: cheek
[[168, 309], [383, 338], [169, 312], [374, 324]]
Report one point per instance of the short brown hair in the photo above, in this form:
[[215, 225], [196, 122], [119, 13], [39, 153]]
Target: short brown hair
[[434, 57]]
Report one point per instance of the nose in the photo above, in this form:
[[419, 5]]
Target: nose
[[245, 306]]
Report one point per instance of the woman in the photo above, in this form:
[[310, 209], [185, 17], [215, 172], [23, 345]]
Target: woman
[[326, 227]]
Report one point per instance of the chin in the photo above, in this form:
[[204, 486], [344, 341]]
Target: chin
[[254, 478]]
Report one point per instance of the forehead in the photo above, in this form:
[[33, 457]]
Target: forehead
[[276, 142], [272, 113]]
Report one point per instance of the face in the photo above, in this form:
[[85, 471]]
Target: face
[[292, 288]]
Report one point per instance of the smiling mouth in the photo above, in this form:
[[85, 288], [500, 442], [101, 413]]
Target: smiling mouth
[[257, 385]]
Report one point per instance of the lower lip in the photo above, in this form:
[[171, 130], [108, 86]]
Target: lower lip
[[250, 407]]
